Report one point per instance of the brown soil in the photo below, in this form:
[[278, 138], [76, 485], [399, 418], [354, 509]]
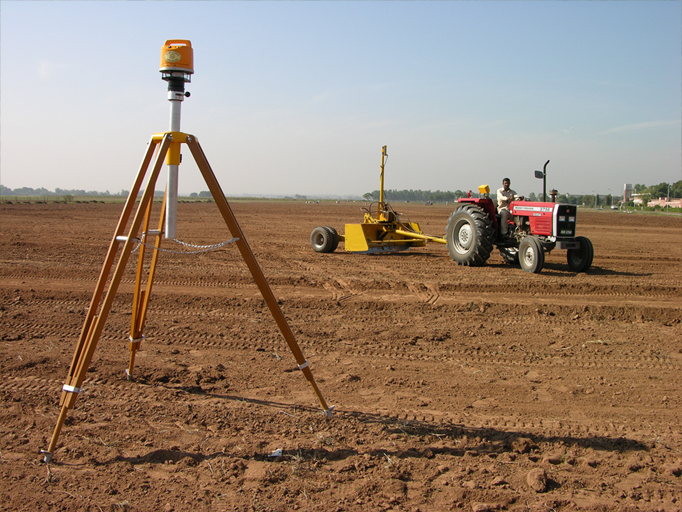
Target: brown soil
[[455, 388]]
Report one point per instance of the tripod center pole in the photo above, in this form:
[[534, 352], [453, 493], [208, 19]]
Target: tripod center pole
[[177, 67], [173, 161]]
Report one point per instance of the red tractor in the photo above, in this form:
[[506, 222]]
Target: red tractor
[[534, 228]]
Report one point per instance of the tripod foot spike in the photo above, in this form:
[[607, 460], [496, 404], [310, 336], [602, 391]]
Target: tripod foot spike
[[129, 376], [328, 412]]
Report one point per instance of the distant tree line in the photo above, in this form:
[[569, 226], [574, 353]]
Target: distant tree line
[[660, 190], [425, 196], [418, 196], [70, 193], [28, 191]]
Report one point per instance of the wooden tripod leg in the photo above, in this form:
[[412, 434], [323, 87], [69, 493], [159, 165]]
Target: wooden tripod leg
[[109, 260], [138, 295], [94, 324], [141, 302], [250, 259]]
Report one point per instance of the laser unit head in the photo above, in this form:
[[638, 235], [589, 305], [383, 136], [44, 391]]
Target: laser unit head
[[177, 60]]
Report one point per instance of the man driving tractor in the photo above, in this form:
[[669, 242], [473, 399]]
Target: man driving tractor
[[505, 195]]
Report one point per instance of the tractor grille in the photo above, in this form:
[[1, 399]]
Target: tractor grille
[[564, 220]]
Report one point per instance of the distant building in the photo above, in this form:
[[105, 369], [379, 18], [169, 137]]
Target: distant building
[[663, 202], [627, 191]]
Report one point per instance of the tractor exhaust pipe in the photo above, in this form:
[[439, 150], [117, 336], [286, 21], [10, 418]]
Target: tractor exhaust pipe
[[542, 175]]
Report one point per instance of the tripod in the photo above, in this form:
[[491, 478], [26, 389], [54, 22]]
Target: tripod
[[161, 146]]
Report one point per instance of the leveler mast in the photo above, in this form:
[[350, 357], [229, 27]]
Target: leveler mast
[[381, 207]]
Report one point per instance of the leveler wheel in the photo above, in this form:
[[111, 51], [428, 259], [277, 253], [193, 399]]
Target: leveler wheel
[[469, 235], [531, 255], [580, 260], [335, 237], [322, 240]]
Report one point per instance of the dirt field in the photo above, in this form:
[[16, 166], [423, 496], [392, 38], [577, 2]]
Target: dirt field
[[454, 388]]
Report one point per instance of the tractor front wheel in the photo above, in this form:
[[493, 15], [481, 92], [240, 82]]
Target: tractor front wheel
[[469, 235], [322, 239], [531, 255], [580, 260]]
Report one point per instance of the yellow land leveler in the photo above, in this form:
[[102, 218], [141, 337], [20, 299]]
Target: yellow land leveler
[[381, 234]]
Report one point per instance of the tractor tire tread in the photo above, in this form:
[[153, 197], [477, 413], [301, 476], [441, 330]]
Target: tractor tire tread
[[539, 255], [580, 260], [483, 242]]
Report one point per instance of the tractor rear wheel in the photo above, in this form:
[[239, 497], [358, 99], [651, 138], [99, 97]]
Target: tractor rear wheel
[[322, 240], [469, 235], [580, 260], [531, 255]]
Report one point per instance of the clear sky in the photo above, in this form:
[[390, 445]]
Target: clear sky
[[299, 97]]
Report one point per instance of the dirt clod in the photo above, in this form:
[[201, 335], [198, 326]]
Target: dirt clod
[[537, 480]]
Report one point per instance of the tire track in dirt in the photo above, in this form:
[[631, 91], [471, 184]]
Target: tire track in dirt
[[154, 310], [102, 386], [217, 338], [33, 385], [427, 293], [433, 290], [532, 360], [111, 388], [273, 342], [428, 423], [340, 290]]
